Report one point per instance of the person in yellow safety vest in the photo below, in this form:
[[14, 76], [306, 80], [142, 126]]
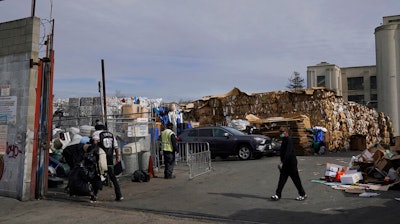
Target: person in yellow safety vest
[[169, 147]]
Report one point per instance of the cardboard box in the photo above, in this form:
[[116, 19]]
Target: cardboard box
[[382, 164], [359, 174], [368, 154], [332, 169], [379, 154], [350, 178]]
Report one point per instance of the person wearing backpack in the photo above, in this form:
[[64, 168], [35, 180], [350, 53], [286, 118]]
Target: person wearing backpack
[[169, 147], [109, 144]]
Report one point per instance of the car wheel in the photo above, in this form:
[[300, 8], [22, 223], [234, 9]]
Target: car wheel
[[244, 152]]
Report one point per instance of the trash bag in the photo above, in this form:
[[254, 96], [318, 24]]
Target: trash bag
[[140, 176], [78, 185]]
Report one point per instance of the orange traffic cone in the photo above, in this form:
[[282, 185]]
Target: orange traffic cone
[[151, 171]]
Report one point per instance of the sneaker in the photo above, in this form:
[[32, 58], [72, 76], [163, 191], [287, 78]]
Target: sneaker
[[301, 198], [119, 199], [275, 197], [93, 199]]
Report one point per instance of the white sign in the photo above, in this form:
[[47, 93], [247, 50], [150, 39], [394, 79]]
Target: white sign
[[8, 107], [5, 90], [139, 129]]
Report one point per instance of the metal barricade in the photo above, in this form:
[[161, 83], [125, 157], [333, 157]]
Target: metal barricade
[[197, 156], [144, 136]]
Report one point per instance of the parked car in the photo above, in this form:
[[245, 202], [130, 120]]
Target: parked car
[[274, 147], [225, 141]]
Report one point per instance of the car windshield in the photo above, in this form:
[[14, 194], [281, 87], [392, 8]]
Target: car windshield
[[234, 131]]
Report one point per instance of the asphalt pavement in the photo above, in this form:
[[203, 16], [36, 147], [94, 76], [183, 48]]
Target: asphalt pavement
[[233, 192]]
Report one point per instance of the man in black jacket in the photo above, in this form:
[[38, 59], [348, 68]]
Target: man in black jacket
[[288, 167], [108, 143]]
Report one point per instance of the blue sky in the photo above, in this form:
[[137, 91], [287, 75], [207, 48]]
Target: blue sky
[[184, 50]]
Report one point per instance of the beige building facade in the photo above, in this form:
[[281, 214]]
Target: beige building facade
[[376, 86], [357, 84]]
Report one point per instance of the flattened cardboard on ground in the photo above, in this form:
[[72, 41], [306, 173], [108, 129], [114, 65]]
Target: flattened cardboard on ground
[[355, 191], [380, 187]]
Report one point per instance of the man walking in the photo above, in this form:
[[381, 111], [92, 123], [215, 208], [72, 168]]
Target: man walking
[[110, 145], [169, 147], [288, 167]]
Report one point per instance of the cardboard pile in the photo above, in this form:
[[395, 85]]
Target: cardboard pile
[[313, 107], [375, 169], [380, 163], [297, 127]]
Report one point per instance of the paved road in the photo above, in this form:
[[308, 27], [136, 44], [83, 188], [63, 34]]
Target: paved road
[[234, 192]]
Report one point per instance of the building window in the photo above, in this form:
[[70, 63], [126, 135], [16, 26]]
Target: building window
[[372, 82], [356, 98], [374, 97], [355, 83], [321, 81]]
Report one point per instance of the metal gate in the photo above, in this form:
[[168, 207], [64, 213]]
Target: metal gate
[[195, 155]]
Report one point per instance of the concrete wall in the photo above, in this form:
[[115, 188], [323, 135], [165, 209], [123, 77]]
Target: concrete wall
[[19, 42]]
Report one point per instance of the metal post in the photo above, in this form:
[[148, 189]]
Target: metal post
[[33, 8], [104, 93]]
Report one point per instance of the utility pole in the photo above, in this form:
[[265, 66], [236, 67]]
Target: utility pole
[[33, 8], [104, 93]]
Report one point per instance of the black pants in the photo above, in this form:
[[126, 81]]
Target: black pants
[[169, 162], [111, 176], [293, 173]]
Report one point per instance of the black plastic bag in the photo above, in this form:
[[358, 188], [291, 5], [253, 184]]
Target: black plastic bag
[[119, 167]]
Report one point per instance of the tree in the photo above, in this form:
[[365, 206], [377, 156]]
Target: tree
[[295, 82]]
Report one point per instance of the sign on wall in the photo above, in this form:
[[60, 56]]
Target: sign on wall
[[5, 90], [8, 108]]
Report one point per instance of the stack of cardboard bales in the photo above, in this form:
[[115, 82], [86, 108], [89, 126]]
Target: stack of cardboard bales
[[297, 125], [321, 106]]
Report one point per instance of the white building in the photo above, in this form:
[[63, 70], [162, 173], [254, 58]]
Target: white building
[[375, 86]]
